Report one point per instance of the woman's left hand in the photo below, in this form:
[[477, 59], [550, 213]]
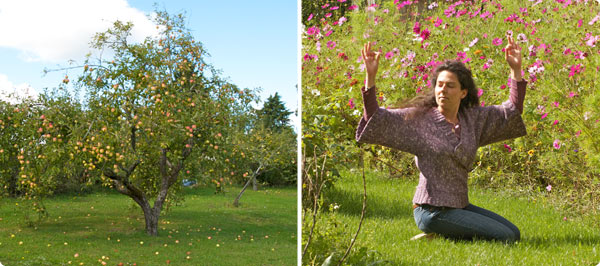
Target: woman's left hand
[[512, 54]]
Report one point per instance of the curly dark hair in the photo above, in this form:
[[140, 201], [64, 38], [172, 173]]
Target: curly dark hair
[[425, 102]]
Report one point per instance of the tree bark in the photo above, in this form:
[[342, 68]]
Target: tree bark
[[254, 186]]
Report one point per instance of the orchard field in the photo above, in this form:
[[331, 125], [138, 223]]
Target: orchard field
[[559, 159], [154, 122]]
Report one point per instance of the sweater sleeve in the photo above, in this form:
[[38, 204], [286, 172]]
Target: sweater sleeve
[[517, 93], [390, 128], [370, 104], [501, 122]]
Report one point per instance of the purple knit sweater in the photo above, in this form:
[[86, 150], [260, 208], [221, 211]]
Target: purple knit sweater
[[443, 158]]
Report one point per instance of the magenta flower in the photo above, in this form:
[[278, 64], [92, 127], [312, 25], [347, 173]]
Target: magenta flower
[[497, 41], [352, 7], [556, 144], [325, 6], [310, 17], [575, 69], [579, 23], [425, 35], [389, 54], [341, 1], [417, 28], [508, 147], [544, 115], [511, 18], [485, 15], [351, 103], [342, 20], [578, 133], [555, 122], [555, 104], [479, 93], [330, 44], [522, 38], [334, 8], [314, 30], [328, 15], [438, 22], [571, 95]]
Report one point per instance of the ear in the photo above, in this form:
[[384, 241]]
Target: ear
[[463, 94]]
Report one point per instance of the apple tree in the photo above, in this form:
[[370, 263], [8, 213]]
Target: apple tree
[[151, 107]]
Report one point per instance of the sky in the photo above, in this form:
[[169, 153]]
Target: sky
[[253, 43]]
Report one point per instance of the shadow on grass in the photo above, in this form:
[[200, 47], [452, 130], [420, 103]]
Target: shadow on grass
[[384, 206]]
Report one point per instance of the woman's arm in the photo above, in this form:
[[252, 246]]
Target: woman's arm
[[512, 54], [371, 60]]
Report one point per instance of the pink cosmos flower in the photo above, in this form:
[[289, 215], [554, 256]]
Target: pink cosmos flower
[[508, 147], [575, 69], [314, 30], [479, 93], [555, 104], [485, 15], [417, 28], [341, 1], [328, 15], [342, 20], [544, 115], [596, 18], [571, 95], [325, 6], [549, 188], [555, 122], [352, 7], [310, 17], [556, 144], [578, 133], [579, 23], [522, 37], [473, 42], [334, 8], [351, 103], [438, 22], [331, 44], [425, 34], [497, 41], [389, 55]]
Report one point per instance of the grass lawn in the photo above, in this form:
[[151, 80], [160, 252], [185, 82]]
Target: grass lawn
[[548, 236], [105, 228]]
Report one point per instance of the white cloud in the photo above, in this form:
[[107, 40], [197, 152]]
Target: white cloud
[[12, 93], [61, 30]]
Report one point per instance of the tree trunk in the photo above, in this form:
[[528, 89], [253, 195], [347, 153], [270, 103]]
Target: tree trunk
[[236, 202], [151, 217], [254, 187], [253, 178]]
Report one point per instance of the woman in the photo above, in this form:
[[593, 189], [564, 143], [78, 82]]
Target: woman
[[443, 130]]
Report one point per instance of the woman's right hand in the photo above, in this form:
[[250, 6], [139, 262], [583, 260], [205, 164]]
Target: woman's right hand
[[371, 59]]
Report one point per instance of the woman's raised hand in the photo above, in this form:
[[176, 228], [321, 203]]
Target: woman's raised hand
[[371, 59], [512, 54]]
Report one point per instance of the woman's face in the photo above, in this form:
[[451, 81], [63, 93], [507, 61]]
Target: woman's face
[[448, 91]]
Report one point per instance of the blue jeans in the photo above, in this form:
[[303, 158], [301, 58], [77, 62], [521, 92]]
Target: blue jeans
[[467, 223]]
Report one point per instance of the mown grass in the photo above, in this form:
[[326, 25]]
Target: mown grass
[[106, 227], [549, 236]]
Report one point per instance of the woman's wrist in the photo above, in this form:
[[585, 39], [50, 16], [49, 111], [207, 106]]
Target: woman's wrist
[[516, 75]]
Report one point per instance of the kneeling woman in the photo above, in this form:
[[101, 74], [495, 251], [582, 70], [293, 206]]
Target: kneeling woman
[[443, 129]]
